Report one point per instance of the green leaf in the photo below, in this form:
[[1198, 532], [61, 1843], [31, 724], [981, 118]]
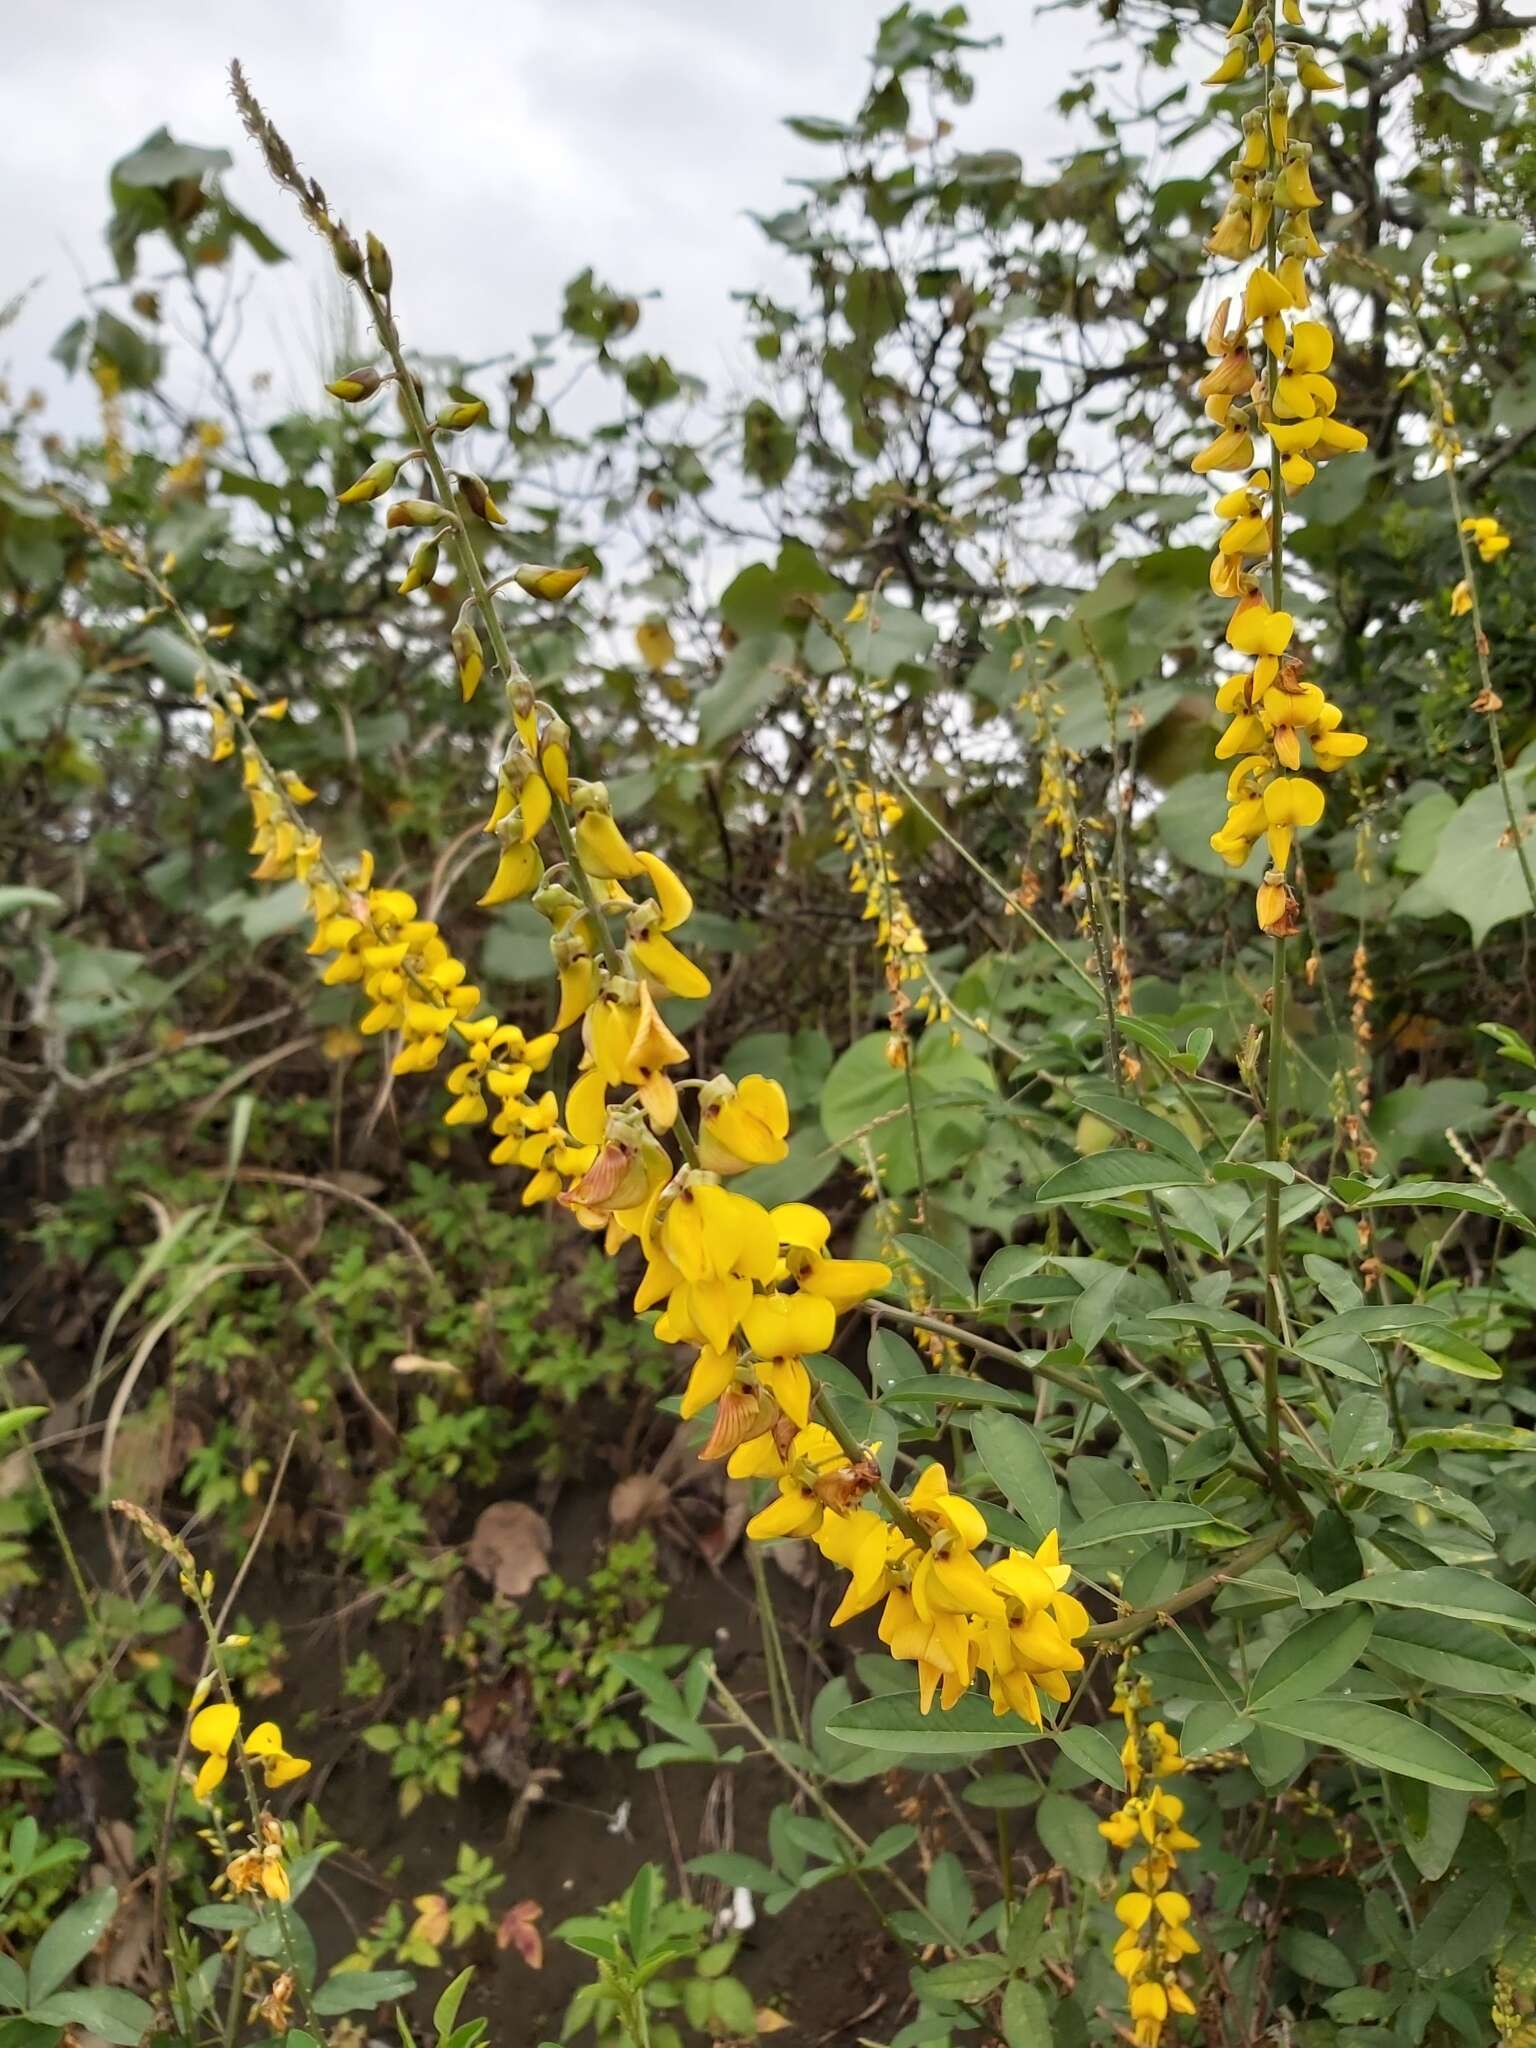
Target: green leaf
[[953, 1389], [35, 686], [971, 1977], [1020, 1470], [939, 1263], [894, 1721], [66, 1944], [1026, 2016], [115, 2015], [1070, 1832], [1447, 1589], [1454, 1353], [1136, 1521], [1128, 1115], [1377, 1736], [1505, 1731], [866, 1101], [446, 2010], [361, 1990], [1475, 873], [752, 676], [1466, 1656], [18, 896], [1309, 1659], [1107, 1176], [1316, 1958], [15, 1420], [1227, 1324], [1094, 1752], [1464, 1924]]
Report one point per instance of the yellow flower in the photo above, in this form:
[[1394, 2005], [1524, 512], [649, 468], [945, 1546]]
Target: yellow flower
[[1461, 600], [213, 1731]]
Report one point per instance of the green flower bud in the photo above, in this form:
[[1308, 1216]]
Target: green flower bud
[[423, 568], [373, 483], [414, 512], [469, 413], [355, 385], [381, 272], [478, 499], [540, 580]]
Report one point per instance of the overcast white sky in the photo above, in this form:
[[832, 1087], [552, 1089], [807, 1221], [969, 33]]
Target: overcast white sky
[[630, 134]]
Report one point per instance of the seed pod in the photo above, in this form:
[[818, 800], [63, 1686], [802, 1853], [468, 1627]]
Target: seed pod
[[414, 512], [540, 580], [355, 385], [478, 499], [454, 417], [373, 483], [381, 272], [423, 568]]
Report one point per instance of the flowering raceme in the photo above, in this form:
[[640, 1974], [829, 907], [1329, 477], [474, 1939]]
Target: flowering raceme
[[1154, 1915], [751, 1290], [1270, 380]]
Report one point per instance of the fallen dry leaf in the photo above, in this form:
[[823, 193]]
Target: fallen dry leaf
[[510, 1547], [432, 1923], [769, 2021], [640, 1498], [519, 1929]]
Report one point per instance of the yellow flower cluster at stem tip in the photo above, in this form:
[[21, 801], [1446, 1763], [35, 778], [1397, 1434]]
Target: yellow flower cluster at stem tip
[[1012, 1621], [865, 819], [1270, 380], [1491, 541], [1154, 1915], [213, 1732]]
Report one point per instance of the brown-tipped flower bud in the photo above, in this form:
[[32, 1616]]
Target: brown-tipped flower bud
[[353, 386], [349, 258], [423, 568], [470, 656], [478, 499], [381, 272], [540, 580], [415, 512], [373, 483], [458, 414]]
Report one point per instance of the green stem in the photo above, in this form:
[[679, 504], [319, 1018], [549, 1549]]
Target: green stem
[[1139, 1619], [1274, 1086]]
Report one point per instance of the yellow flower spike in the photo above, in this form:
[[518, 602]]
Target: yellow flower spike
[[675, 901], [519, 870], [656, 956], [1313, 76]]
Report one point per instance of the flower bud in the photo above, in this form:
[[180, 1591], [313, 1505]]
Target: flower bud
[[542, 581], [353, 386], [455, 416], [470, 656], [415, 512], [349, 258], [373, 483], [381, 272], [479, 500], [422, 569]]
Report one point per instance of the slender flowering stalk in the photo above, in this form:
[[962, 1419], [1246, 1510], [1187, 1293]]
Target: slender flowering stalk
[[1155, 1941], [752, 1291]]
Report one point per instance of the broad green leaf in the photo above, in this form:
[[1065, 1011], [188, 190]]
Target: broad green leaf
[[1315, 1957], [1475, 873], [361, 1990], [1026, 2016], [1509, 1733], [1160, 1132], [1479, 1198], [64, 1946], [1466, 1656], [1454, 1353], [1309, 1659], [865, 1102], [1225, 1324], [1069, 1829], [1107, 1176], [1092, 1750], [1378, 1736], [894, 1721], [939, 1263], [1135, 1522], [1020, 1470], [953, 1389], [1447, 1589], [105, 2010], [1464, 1923]]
